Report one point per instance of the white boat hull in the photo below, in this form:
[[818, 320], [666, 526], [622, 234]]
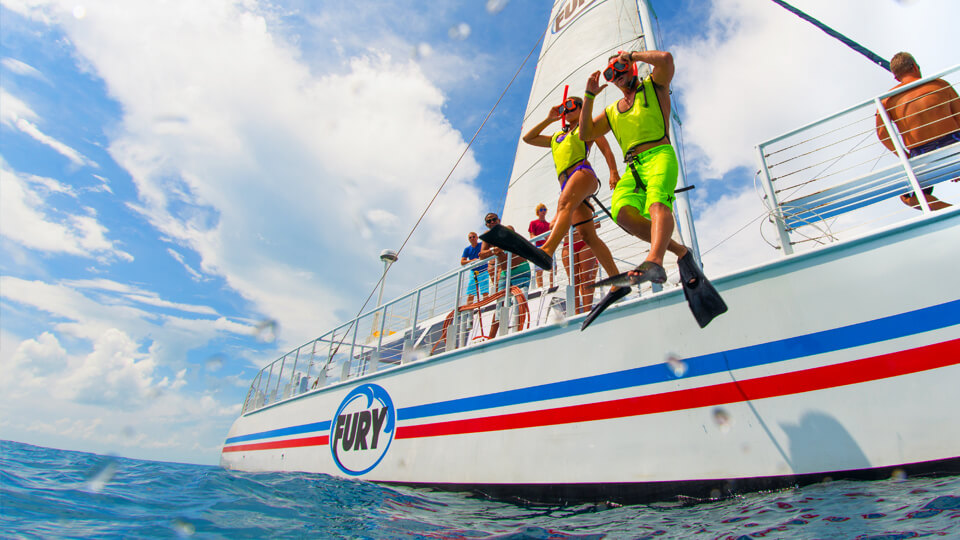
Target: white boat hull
[[830, 363]]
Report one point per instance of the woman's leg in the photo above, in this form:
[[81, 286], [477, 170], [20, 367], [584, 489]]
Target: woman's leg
[[600, 250], [580, 185]]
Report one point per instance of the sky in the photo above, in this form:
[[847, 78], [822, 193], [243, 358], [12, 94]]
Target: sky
[[189, 189]]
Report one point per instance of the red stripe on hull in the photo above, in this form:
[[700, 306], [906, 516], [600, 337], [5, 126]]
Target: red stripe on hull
[[286, 443], [854, 372], [832, 376]]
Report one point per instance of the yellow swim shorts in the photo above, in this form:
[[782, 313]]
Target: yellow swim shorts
[[658, 172]]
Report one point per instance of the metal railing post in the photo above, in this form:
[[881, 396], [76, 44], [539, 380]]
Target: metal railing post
[[313, 352], [455, 323], [894, 135], [774, 208], [505, 312], [293, 372], [283, 362], [353, 343], [571, 289], [266, 388]]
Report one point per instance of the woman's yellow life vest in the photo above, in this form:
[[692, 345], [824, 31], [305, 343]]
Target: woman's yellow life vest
[[642, 123], [568, 149]]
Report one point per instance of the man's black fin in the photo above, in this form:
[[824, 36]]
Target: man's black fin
[[619, 280], [508, 240], [607, 301], [704, 301]]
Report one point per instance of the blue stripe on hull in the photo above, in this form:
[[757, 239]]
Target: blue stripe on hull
[[855, 335]]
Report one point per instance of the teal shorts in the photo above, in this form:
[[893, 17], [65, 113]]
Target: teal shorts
[[520, 277], [658, 172]]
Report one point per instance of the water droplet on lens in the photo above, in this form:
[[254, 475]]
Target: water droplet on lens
[[898, 475], [79, 12], [723, 419], [215, 362], [676, 364], [183, 528], [266, 331], [715, 494], [424, 50], [495, 6], [101, 476], [128, 432], [460, 31]]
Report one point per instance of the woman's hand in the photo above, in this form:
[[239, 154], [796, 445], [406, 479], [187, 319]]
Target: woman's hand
[[555, 113], [614, 178]]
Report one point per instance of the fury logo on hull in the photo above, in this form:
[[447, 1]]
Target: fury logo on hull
[[352, 429], [362, 429], [569, 10]]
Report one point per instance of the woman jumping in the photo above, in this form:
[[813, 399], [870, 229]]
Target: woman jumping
[[577, 179]]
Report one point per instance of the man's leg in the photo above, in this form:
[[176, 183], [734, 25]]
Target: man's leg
[[657, 232]]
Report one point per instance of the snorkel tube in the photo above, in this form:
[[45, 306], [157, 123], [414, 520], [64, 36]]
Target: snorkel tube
[[563, 113]]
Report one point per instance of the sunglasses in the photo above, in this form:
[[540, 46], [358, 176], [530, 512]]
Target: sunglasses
[[492, 220], [541, 210], [569, 106], [615, 69]]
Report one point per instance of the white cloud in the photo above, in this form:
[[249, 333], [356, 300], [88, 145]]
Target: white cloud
[[22, 68], [115, 373], [89, 309], [27, 218], [13, 109], [179, 258], [266, 166], [17, 114]]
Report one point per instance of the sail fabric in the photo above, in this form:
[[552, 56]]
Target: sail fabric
[[581, 35]]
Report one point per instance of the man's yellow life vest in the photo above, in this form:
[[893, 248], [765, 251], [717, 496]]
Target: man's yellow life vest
[[642, 123]]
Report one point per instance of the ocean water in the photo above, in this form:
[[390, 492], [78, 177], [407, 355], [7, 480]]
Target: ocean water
[[48, 493]]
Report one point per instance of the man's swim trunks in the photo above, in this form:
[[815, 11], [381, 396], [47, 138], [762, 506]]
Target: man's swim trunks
[[658, 172], [519, 277], [946, 140], [935, 144]]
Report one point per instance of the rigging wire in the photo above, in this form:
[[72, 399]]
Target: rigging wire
[[435, 195], [873, 57]]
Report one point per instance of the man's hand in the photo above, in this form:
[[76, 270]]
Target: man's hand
[[593, 83]]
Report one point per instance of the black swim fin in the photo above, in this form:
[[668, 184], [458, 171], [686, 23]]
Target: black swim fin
[[649, 271], [704, 301], [606, 302], [511, 241]]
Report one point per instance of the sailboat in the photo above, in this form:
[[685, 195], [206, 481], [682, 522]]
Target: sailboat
[[827, 365]]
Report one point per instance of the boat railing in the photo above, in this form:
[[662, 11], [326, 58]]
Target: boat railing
[[442, 316], [834, 178]]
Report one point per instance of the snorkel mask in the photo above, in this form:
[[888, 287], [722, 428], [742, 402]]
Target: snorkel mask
[[618, 67], [569, 105]]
